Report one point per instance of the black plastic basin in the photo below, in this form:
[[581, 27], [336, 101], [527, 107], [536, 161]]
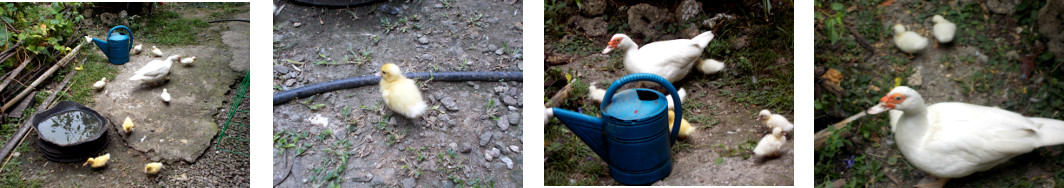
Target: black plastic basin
[[70, 132]]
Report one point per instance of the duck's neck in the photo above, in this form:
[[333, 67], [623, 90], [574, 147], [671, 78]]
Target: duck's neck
[[911, 128], [628, 46]]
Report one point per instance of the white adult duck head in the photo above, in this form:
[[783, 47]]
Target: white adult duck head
[[900, 98], [620, 41]]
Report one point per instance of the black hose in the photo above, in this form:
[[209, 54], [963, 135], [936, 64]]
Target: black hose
[[230, 20], [306, 91]]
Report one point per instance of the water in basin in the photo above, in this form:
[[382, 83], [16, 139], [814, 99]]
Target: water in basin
[[70, 127]]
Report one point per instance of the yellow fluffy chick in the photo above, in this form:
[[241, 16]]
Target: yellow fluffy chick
[[127, 125], [685, 127], [153, 168], [98, 162], [400, 93], [156, 52]]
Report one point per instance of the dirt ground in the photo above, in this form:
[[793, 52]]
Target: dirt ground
[[182, 133], [982, 66], [348, 138], [720, 152]]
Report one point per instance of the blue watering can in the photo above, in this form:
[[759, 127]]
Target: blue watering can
[[117, 45], [633, 135]]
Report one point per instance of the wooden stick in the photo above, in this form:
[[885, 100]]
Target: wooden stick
[[562, 94], [15, 73], [821, 136], [43, 77], [11, 144]]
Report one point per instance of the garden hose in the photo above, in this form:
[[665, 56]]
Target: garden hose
[[306, 91]]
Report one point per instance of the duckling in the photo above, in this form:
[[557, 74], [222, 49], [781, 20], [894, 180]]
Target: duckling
[[165, 96], [944, 29], [156, 52], [908, 41], [127, 125], [188, 61], [770, 145], [685, 127], [98, 162], [153, 168], [400, 93], [137, 49], [99, 84], [772, 121]]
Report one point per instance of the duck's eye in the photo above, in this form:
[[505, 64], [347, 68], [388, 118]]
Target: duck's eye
[[897, 98]]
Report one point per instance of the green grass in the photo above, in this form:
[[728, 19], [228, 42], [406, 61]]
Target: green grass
[[12, 175], [167, 28], [94, 68]]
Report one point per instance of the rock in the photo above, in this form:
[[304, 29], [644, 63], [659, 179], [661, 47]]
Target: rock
[[492, 47], [389, 9], [1002, 6], [437, 5], [393, 121], [278, 38], [509, 163], [503, 151], [484, 138], [362, 177], [1051, 25], [503, 123], [690, 32], [515, 149], [297, 24], [466, 148], [498, 51], [514, 118], [449, 103], [646, 19], [423, 40], [593, 7], [487, 155], [495, 152], [281, 69], [409, 183], [448, 184], [594, 27], [510, 100], [289, 82], [427, 57], [500, 89], [447, 119], [688, 9], [916, 79]]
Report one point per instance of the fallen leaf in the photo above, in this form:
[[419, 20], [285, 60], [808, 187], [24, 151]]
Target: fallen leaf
[[833, 76], [886, 3]]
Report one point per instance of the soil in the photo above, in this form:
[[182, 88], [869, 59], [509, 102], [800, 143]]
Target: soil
[[185, 129], [715, 154], [941, 73], [444, 147]]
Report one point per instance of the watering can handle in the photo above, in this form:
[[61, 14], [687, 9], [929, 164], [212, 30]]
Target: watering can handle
[[653, 78], [127, 30]]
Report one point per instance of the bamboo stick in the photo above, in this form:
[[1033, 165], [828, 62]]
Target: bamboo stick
[[43, 77]]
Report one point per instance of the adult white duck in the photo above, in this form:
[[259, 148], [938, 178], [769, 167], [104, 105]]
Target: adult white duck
[[671, 59], [953, 140], [155, 71]]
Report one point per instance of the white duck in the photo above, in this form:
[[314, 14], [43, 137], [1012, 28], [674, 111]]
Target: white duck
[[597, 94], [156, 52], [671, 59], [100, 84], [165, 96], [770, 145], [952, 139], [944, 29], [188, 61], [155, 71], [908, 41], [773, 121], [137, 49]]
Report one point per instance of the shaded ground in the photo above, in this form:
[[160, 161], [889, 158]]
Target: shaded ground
[[983, 66], [759, 75], [348, 138], [177, 133]]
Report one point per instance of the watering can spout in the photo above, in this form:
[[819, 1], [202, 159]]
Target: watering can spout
[[102, 44], [588, 128]]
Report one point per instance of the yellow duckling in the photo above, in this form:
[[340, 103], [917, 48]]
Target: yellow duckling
[[127, 125], [98, 162], [685, 127], [153, 168], [400, 93]]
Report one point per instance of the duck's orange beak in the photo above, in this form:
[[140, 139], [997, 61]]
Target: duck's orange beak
[[887, 103]]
